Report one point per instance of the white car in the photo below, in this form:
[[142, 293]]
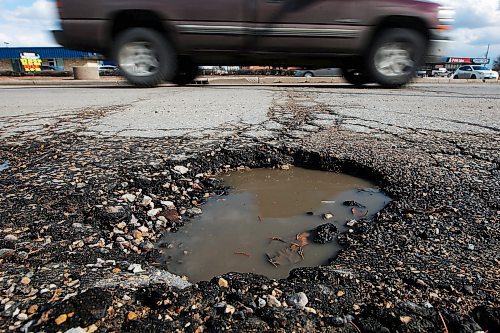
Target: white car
[[475, 72]]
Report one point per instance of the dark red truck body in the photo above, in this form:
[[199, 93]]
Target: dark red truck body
[[252, 32]]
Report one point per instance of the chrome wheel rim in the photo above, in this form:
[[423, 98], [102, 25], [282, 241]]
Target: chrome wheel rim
[[139, 59], [394, 59]]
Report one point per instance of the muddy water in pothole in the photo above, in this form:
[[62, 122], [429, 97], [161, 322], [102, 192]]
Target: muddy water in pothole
[[263, 226]]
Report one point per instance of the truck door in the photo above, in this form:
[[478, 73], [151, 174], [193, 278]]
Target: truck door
[[308, 26], [215, 25]]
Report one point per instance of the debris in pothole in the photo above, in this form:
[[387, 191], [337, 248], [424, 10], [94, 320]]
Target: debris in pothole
[[325, 233]]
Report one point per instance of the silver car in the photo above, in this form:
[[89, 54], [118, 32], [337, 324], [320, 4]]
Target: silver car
[[475, 72], [319, 72]]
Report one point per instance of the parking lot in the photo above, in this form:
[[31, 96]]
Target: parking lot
[[429, 260]]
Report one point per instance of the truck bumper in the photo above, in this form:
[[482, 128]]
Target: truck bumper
[[59, 36], [83, 35]]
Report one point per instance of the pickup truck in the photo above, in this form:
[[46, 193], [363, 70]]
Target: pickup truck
[[380, 41]]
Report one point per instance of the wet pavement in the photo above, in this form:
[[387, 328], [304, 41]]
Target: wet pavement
[[82, 205]]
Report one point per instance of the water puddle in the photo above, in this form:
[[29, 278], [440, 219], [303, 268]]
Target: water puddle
[[265, 226], [4, 166]]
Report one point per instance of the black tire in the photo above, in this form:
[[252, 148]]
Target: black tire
[[455, 77], [355, 76], [473, 77], [187, 71], [409, 40], [157, 45]]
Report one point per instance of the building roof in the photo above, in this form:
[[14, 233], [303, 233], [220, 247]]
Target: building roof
[[44, 52]]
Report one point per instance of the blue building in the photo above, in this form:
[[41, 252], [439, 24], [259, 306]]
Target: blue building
[[57, 58]]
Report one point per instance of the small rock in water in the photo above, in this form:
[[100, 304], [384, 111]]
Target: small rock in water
[[352, 223], [325, 233], [299, 300], [327, 216], [352, 203]]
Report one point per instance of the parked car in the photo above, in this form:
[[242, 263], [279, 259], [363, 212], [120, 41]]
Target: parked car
[[383, 41], [319, 72], [110, 70], [440, 72], [475, 72], [422, 73]]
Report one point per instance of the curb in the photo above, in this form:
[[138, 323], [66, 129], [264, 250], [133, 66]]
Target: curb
[[230, 80]]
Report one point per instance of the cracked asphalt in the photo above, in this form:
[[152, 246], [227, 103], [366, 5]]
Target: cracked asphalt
[[219, 111], [75, 253]]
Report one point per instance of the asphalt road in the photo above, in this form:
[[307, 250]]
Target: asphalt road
[[77, 241], [258, 111]]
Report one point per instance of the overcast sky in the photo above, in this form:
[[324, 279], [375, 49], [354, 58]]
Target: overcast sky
[[27, 22]]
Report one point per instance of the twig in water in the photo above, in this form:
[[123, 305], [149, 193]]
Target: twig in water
[[242, 253], [301, 252], [277, 239]]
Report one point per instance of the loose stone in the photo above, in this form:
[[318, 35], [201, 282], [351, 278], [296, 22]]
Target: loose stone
[[299, 300]]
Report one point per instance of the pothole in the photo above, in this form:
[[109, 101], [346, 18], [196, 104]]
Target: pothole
[[268, 224]]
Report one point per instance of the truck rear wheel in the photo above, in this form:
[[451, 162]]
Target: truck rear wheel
[[395, 57], [145, 57]]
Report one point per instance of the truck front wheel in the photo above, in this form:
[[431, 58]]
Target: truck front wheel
[[395, 57], [145, 57]]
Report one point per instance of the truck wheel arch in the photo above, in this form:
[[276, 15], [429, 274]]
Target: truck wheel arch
[[139, 18], [394, 22]]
